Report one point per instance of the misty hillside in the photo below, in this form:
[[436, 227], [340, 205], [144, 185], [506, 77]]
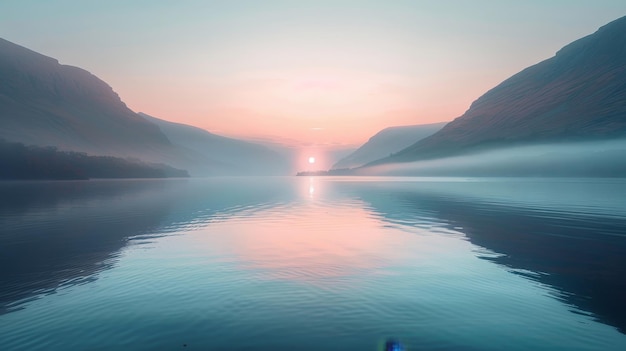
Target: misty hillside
[[45, 103], [579, 94], [604, 159], [387, 141], [236, 156]]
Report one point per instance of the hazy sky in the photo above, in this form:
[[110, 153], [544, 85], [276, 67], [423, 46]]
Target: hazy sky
[[320, 72]]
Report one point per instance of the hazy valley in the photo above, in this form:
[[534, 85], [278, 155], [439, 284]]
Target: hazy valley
[[291, 184]]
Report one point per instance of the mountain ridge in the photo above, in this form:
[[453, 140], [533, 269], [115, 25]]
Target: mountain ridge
[[44, 103], [387, 141], [578, 94]]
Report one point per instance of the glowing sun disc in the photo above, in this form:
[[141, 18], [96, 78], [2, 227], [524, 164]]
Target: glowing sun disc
[[311, 160]]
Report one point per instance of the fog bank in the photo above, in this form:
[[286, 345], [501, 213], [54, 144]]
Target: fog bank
[[580, 159]]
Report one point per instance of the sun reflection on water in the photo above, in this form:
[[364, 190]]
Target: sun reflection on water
[[330, 242], [311, 186]]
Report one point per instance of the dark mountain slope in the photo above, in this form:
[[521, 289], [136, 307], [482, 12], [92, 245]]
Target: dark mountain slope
[[579, 94], [45, 103]]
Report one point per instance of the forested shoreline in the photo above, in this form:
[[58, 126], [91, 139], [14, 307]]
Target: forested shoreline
[[22, 162]]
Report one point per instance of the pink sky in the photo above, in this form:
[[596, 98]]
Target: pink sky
[[323, 72], [319, 106]]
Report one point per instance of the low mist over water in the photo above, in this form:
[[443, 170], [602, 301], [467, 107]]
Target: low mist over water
[[313, 264], [606, 158]]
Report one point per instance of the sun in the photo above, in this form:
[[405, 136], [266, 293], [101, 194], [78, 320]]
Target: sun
[[311, 160]]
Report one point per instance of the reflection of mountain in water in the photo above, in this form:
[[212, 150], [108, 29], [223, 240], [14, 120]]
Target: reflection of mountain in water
[[56, 234], [582, 256], [569, 236]]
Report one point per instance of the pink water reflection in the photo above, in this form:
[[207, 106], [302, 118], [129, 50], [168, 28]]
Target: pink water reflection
[[309, 241]]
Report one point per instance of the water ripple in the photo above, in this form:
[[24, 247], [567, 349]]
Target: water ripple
[[227, 264]]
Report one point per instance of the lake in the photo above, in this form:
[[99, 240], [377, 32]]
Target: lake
[[320, 263]]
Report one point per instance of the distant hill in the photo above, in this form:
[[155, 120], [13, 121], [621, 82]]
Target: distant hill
[[234, 156], [577, 95], [386, 142], [45, 103]]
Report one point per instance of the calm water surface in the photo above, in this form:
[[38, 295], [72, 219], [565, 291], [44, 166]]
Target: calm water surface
[[313, 264]]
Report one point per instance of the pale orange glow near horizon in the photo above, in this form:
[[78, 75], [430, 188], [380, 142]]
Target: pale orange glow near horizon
[[319, 154], [304, 74], [320, 107]]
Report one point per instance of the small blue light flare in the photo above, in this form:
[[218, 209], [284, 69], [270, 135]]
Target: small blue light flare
[[393, 345]]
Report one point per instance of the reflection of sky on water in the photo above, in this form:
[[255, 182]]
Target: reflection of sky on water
[[321, 240], [364, 250], [64, 233], [567, 233], [313, 244]]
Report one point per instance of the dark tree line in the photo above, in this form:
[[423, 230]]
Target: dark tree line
[[18, 161]]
